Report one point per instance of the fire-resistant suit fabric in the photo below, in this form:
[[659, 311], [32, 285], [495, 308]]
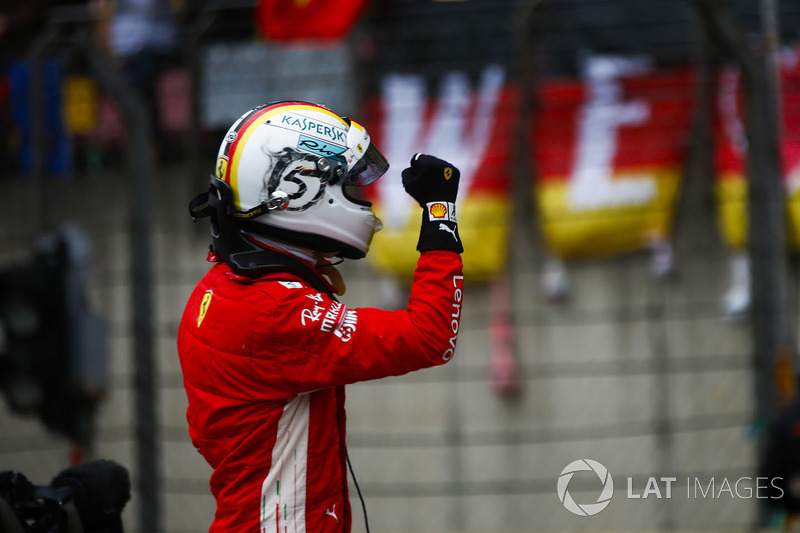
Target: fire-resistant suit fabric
[[265, 362]]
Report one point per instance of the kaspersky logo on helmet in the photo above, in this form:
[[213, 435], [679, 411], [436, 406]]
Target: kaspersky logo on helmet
[[595, 468], [313, 127]]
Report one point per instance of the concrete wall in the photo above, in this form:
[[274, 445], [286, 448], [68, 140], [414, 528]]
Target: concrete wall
[[638, 373]]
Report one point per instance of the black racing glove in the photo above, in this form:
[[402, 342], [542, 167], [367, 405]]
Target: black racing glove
[[433, 183]]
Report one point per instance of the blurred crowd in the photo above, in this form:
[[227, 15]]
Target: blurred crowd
[[45, 88]]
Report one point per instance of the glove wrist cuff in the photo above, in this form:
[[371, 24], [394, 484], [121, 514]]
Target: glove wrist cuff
[[439, 229]]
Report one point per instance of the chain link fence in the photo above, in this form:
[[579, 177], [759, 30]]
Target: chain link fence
[[640, 359]]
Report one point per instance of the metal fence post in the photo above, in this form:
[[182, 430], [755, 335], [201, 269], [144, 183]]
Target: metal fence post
[[140, 169], [767, 232]]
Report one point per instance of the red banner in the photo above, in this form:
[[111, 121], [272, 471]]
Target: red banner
[[307, 19], [609, 152], [731, 151], [472, 128]]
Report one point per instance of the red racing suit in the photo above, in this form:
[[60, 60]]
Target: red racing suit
[[265, 362]]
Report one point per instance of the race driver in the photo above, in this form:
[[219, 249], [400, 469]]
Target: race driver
[[265, 346]]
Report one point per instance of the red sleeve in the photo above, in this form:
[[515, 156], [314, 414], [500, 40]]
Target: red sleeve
[[320, 342]]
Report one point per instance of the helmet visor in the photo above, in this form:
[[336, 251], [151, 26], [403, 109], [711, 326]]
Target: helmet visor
[[368, 169]]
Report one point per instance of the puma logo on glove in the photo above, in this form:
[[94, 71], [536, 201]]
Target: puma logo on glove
[[443, 227]]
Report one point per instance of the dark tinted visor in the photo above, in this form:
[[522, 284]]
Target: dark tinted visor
[[368, 169]]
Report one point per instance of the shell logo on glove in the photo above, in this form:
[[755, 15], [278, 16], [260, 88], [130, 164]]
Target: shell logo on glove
[[438, 211]]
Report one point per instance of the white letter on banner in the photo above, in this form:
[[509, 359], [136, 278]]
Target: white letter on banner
[[403, 100], [592, 185], [447, 136]]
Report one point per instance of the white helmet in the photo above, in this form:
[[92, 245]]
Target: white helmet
[[287, 166]]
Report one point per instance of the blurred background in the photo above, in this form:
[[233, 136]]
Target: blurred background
[[629, 210]]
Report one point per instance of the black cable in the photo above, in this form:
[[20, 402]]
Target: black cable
[[358, 489]]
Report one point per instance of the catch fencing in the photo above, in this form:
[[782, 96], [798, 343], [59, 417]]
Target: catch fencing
[[613, 310]]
